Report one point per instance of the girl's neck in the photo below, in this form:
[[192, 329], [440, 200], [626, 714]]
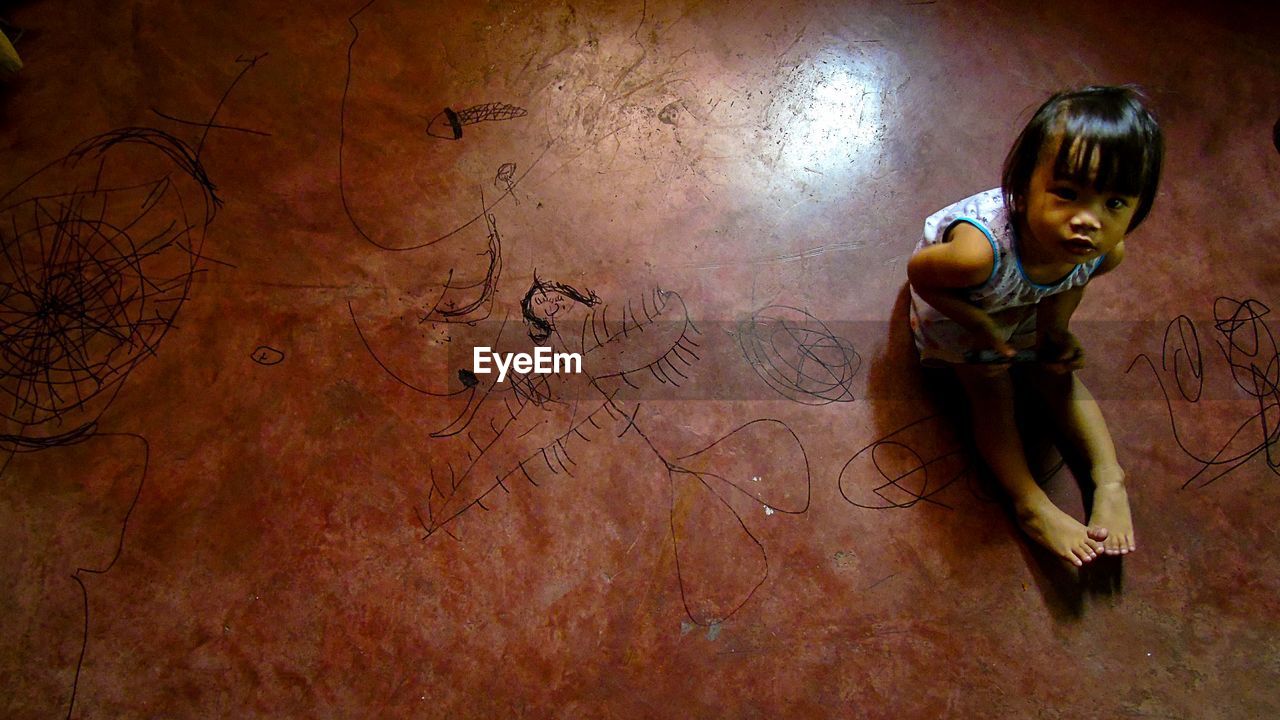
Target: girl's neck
[[1038, 265]]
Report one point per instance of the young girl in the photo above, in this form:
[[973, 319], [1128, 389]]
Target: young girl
[[996, 279]]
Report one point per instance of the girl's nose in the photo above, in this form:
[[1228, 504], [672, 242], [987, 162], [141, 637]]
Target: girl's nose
[[1084, 220]]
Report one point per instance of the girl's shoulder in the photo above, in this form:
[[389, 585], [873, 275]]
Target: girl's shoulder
[[964, 258], [985, 209]]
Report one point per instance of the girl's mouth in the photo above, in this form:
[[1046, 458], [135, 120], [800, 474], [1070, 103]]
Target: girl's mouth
[[1079, 246]]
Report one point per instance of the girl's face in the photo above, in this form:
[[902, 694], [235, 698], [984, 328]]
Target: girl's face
[[1071, 222]]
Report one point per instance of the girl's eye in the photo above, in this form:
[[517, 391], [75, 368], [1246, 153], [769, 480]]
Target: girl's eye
[[1063, 193], [1117, 204]]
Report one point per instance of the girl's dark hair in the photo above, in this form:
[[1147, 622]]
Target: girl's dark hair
[[1110, 122]]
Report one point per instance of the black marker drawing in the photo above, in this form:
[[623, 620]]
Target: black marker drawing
[[510, 435], [81, 573], [267, 355], [544, 300], [519, 425], [447, 124], [480, 113], [681, 351], [249, 63], [100, 251], [1249, 348], [457, 304], [798, 356], [505, 179], [463, 375], [902, 475], [758, 469]]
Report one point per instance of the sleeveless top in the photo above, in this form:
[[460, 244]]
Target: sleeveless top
[[1008, 295], [1007, 286]]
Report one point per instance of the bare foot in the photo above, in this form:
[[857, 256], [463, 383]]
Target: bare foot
[[1111, 511], [1061, 533]]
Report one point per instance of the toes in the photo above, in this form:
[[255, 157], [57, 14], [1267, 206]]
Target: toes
[[1097, 533], [1083, 554], [1076, 556], [1120, 545]]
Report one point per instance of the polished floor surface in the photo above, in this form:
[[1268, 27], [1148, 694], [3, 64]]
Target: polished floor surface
[[251, 468]]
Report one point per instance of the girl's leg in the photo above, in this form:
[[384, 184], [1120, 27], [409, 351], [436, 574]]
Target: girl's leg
[[1085, 433], [991, 408]]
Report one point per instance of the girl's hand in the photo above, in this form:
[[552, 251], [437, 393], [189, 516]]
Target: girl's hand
[[990, 349], [990, 339], [1061, 351]]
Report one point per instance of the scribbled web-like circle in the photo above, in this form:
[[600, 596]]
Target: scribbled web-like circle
[[89, 284], [798, 356]]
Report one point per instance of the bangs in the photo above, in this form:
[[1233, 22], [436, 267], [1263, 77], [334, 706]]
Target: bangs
[[1102, 153], [1102, 137]]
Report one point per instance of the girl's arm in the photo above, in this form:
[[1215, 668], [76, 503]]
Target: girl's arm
[[938, 273], [1058, 346]]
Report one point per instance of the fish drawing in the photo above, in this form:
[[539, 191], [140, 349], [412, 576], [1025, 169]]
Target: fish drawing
[[447, 124]]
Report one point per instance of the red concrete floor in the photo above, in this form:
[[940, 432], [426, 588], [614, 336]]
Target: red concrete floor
[[244, 477]]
